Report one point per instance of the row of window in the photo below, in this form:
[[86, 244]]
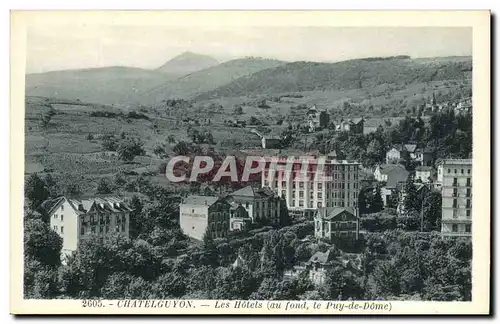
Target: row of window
[[58, 229], [217, 227], [467, 213], [325, 167], [319, 195], [455, 182], [454, 228], [311, 177], [101, 229], [462, 171], [220, 216], [338, 225], [328, 204], [121, 218], [467, 194], [468, 203], [55, 216]]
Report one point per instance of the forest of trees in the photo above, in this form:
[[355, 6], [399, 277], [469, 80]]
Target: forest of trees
[[446, 134], [158, 261]]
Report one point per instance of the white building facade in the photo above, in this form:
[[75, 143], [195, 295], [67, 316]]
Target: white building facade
[[455, 180]]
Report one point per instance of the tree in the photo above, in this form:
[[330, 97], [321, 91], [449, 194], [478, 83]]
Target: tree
[[377, 204], [35, 191], [432, 211], [411, 199], [129, 148], [342, 284], [209, 255], [238, 110], [375, 153], [109, 143], [171, 139], [159, 151], [41, 243], [47, 117], [392, 200], [104, 187], [387, 278], [362, 201], [40, 281]]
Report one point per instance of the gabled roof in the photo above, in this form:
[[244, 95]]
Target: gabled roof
[[329, 213], [82, 206], [410, 148], [424, 168], [387, 168], [238, 262], [251, 192], [395, 176], [323, 257], [333, 154], [200, 200]]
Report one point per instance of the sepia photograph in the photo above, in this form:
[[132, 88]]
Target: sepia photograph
[[251, 165]]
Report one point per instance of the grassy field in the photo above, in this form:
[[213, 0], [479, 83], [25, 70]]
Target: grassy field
[[63, 148]]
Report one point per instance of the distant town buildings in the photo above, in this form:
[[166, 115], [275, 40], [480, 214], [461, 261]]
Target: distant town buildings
[[317, 119], [74, 219], [305, 193], [421, 188], [238, 217], [408, 152], [204, 214], [455, 180], [464, 107], [336, 222], [354, 126], [391, 173], [271, 142], [262, 205], [425, 174]]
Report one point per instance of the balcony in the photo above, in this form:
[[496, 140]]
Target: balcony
[[456, 234]]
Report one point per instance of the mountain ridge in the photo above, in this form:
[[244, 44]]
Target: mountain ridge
[[351, 74]]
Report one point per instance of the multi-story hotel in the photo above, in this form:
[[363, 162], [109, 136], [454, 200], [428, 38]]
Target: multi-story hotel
[[204, 214], [310, 182], [455, 180], [263, 205], [75, 220]]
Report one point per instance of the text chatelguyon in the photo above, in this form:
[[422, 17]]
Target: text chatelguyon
[[190, 169]]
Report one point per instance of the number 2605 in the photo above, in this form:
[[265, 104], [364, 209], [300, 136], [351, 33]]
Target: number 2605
[[92, 303]]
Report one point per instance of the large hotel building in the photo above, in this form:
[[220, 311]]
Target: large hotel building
[[455, 179], [311, 182]]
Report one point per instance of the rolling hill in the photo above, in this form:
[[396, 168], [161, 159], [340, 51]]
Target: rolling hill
[[208, 79], [110, 85], [186, 63], [352, 74]]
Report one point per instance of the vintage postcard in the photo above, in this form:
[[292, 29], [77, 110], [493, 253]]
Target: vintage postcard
[[244, 162]]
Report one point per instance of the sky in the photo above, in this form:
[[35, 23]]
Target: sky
[[85, 46]]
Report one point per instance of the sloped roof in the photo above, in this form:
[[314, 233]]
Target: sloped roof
[[395, 176], [51, 204], [323, 257], [238, 262], [332, 212], [251, 192], [410, 148], [424, 168], [333, 154], [200, 200], [387, 168], [82, 206], [357, 120]]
